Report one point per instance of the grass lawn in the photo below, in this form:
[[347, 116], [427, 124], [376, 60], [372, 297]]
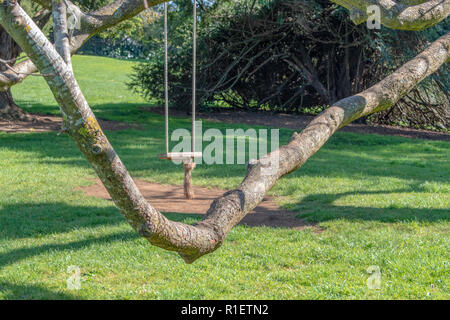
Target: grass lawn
[[371, 201]]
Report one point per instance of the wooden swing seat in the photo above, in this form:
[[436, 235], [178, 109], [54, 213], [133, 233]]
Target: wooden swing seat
[[180, 156]]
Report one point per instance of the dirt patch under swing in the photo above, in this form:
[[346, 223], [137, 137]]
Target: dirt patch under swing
[[169, 198]]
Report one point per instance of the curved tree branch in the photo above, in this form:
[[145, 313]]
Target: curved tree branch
[[194, 241], [401, 15]]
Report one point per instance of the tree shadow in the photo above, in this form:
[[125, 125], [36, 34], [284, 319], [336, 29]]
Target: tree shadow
[[36, 220], [16, 291], [126, 112], [20, 254], [27, 291], [30, 220], [320, 208]]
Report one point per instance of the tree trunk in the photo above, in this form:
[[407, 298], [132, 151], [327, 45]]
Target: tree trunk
[[9, 51], [8, 108]]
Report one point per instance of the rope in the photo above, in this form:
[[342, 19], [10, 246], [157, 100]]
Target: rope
[[166, 77], [194, 75]]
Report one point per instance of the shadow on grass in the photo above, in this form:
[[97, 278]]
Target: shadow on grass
[[127, 112], [320, 208], [28, 220], [31, 292], [27, 291], [16, 255], [44, 222], [36, 220]]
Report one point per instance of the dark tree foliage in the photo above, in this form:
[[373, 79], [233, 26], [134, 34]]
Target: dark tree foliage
[[290, 56]]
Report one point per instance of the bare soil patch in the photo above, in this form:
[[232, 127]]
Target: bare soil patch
[[44, 123], [169, 198], [299, 122]]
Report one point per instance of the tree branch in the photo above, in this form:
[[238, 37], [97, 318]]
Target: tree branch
[[402, 15], [60, 31]]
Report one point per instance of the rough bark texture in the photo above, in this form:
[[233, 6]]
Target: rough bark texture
[[9, 51], [60, 31], [192, 242], [8, 108], [401, 15]]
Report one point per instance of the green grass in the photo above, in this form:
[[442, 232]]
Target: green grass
[[370, 200]]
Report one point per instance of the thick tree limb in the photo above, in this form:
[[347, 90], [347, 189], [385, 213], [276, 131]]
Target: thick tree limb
[[192, 242], [60, 31], [401, 15]]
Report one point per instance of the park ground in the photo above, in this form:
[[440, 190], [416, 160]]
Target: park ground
[[363, 200]]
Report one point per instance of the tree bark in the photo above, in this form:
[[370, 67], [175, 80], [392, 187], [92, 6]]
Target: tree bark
[[9, 110], [9, 51], [409, 15]]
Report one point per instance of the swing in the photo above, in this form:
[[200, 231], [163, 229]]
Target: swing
[[187, 157]]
